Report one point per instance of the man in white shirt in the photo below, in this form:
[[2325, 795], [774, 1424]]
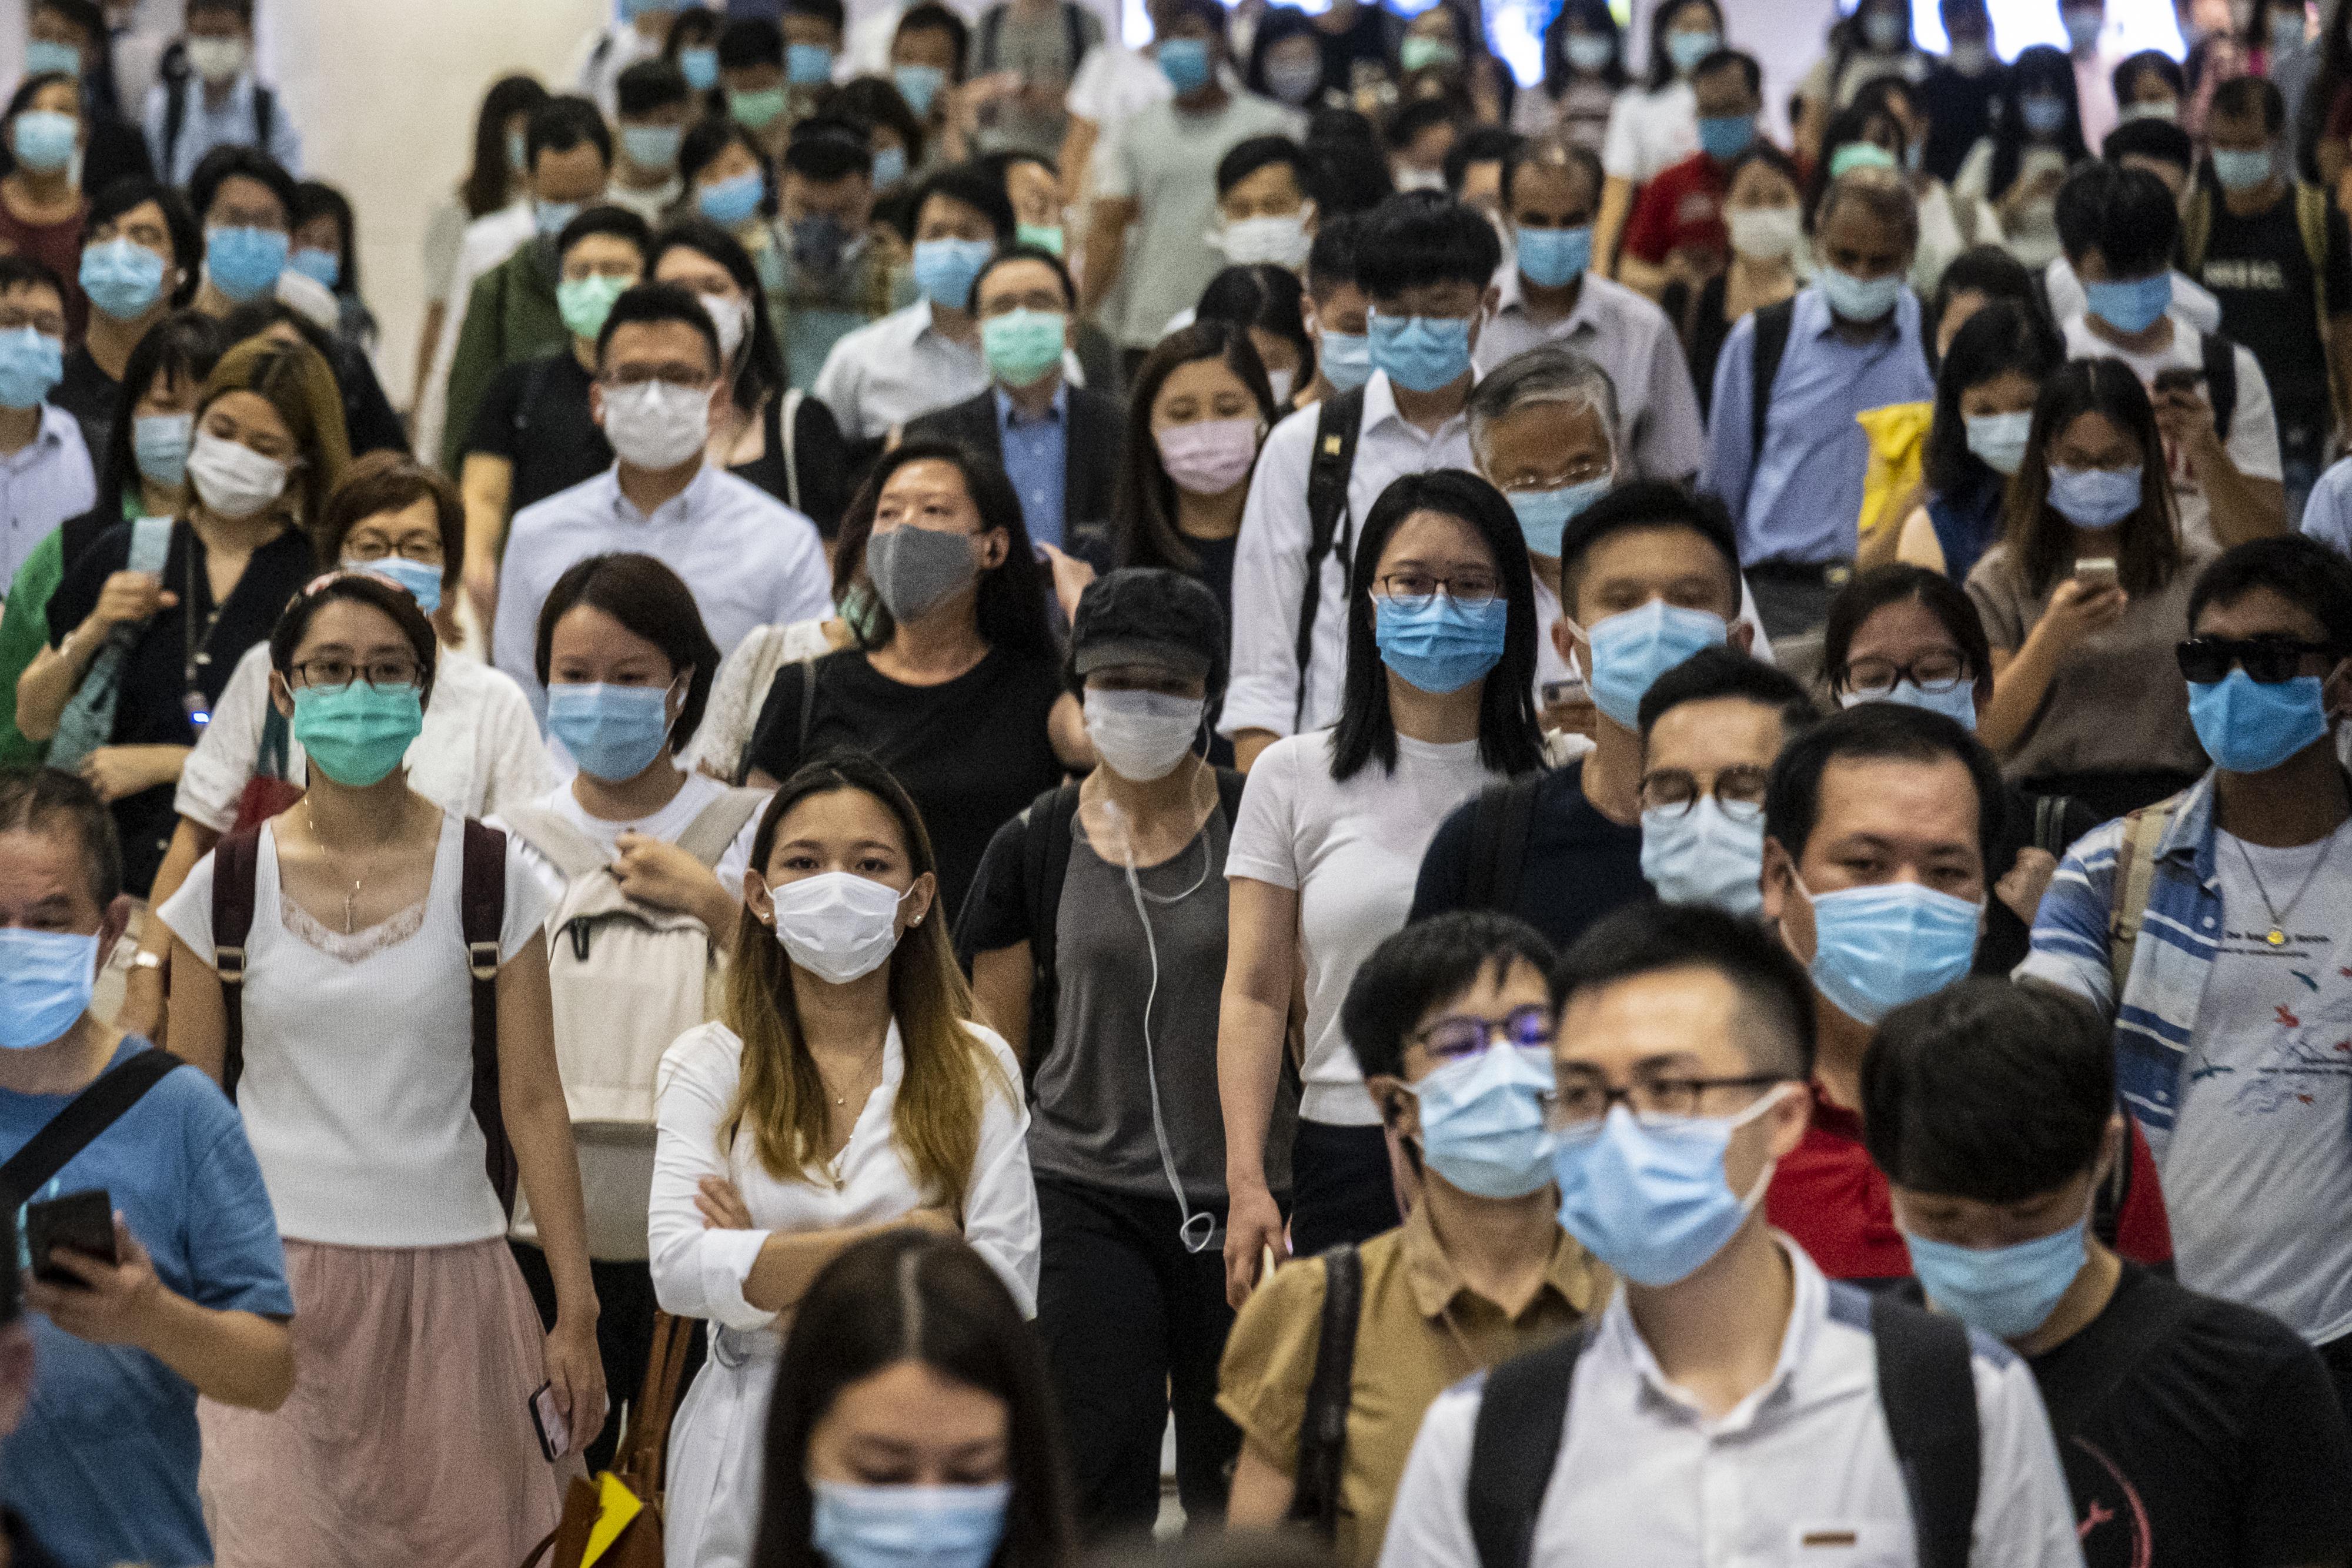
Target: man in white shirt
[[636, 34], [656, 106], [750, 560], [1728, 1406], [211, 97]]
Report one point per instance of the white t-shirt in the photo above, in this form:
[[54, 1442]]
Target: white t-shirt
[[1648, 131], [2191, 301], [699, 791], [1352, 852], [359, 1056], [740, 689], [2258, 1171]]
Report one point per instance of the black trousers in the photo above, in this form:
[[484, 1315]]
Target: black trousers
[[625, 1334], [1133, 1326], [2337, 1355], [1341, 1187]]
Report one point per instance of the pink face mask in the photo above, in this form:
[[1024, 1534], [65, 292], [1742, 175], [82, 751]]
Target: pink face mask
[[1210, 457]]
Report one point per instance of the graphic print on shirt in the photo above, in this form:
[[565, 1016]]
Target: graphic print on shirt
[[2114, 1526], [2289, 1060]]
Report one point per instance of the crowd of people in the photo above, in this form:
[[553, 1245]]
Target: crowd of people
[[1719, 766]]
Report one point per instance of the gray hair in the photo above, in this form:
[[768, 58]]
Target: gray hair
[[1883, 191], [1549, 372]]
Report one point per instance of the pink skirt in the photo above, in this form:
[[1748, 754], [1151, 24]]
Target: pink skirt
[[407, 1438]]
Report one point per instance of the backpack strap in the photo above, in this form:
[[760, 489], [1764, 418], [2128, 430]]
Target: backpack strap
[[2196, 231], [569, 849], [1050, 819], [808, 706], [482, 910], [534, 382], [717, 826], [2050, 813], [1773, 324], [1323, 1426], [1927, 1394], [2220, 357], [1522, 1420], [2127, 890], [1074, 35], [992, 39], [1500, 820], [788, 421], [1338, 425], [237, 862], [265, 114], [99, 1106], [2107, 1202], [2311, 221], [1229, 793], [175, 117]]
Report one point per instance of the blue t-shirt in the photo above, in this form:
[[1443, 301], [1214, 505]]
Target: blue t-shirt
[[104, 1466]]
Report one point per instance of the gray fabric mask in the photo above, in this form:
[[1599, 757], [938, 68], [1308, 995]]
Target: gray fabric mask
[[914, 569]]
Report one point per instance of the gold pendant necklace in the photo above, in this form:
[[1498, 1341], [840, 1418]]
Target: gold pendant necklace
[[2276, 937], [351, 899]]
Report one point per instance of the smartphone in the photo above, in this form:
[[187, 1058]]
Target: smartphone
[[2098, 572], [79, 1222], [547, 1419]]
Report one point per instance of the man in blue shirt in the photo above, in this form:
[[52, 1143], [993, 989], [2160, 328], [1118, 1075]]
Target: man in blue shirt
[[211, 97], [103, 1467], [1792, 475]]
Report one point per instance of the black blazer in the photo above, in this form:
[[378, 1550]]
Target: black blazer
[[1098, 429]]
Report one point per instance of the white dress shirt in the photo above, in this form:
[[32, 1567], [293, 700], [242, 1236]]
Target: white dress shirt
[[1270, 559], [1645, 1480], [204, 128], [43, 483], [751, 559], [887, 371], [1630, 337]]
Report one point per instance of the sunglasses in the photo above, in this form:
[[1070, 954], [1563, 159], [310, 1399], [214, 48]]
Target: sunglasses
[[2267, 660]]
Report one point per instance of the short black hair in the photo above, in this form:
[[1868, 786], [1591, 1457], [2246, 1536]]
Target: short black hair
[[1331, 259], [40, 800], [18, 270], [1723, 672], [749, 41], [228, 161], [2295, 566], [2125, 77], [2125, 215], [1421, 967], [243, 8], [1867, 592], [828, 11], [1346, 175], [2251, 95], [1745, 63], [563, 123], [1417, 116], [1480, 145], [1646, 938], [929, 15], [825, 148], [1247, 157], [2149, 138], [1027, 253], [1875, 732], [1989, 1090], [976, 188], [650, 85], [648, 599], [187, 238], [618, 222], [647, 303], [1646, 504], [1420, 237]]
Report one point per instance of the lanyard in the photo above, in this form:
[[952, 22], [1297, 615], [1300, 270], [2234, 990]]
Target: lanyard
[[198, 647]]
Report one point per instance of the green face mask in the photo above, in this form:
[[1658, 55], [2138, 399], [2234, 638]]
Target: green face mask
[[1022, 346], [861, 612], [585, 302], [1045, 237], [754, 110], [355, 734]]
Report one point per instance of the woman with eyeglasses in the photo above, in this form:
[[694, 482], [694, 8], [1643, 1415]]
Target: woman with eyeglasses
[[2083, 599], [388, 1040], [1438, 701]]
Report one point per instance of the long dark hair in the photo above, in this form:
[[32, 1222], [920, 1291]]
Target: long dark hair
[[2039, 69], [2040, 542], [489, 184], [2004, 336], [761, 374], [1012, 593], [1594, 15], [1143, 508], [22, 98], [1852, 124], [1660, 65], [907, 1295], [1897, 582], [184, 346], [317, 199], [1847, 40], [1510, 740], [1269, 298]]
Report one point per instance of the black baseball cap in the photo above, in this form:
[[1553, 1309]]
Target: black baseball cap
[[1149, 615]]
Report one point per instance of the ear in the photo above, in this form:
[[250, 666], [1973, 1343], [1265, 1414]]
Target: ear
[[1742, 636], [596, 402], [115, 923], [1777, 880], [918, 901], [281, 696], [1399, 1107], [2335, 691], [1491, 301], [1307, 216], [1565, 642], [1786, 1122], [994, 546], [757, 898], [2114, 1145]]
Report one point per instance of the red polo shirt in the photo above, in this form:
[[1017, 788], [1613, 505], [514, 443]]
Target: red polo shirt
[[1682, 208], [1829, 1195]]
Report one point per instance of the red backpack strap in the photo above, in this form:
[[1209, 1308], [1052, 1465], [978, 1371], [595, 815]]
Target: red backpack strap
[[482, 905], [236, 861]]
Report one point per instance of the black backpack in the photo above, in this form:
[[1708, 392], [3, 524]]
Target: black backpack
[[1337, 424], [176, 76], [1501, 818]]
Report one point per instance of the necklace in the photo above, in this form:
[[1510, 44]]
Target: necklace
[[2277, 935], [863, 1068], [351, 899]]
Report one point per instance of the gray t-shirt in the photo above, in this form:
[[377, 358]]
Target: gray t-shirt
[[1038, 49]]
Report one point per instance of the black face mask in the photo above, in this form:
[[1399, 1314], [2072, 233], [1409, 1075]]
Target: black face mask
[[819, 242]]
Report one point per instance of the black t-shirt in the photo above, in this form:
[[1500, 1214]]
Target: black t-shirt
[[819, 455], [1579, 864], [2197, 1433], [89, 394], [2259, 270], [972, 751], [1366, 39], [1959, 114], [150, 709], [535, 415]]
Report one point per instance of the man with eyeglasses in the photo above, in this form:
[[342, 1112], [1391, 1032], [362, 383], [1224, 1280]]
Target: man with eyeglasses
[[1730, 1403], [2215, 930], [1452, 1020]]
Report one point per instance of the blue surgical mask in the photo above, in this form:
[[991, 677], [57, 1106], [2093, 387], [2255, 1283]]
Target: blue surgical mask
[[1544, 514], [1185, 62], [1346, 358], [729, 201], [2133, 305], [614, 732], [2006, 1291], [43, 141], [2042, 114], [323, 268], [908, 1527], [1724, 137], [123, 279], [1859, 299], [159, 445], [1705, 855], [44, 56], [919, 84], [1652, 1201], [699, 63], [1686, 50], [46, 980], [422, 582], [31, 362], [552, 219], [2242, 170], [244, 262], [1998, 439], [1959, 705], [2286, 32], [2246, 727], [518, 153], [1551, 257], [1442, 646], [1420, 354], [1634, 647], [889, 167], [2094, 497], [945, 269], [653, 146], [1875, 948], [808, 64], [1481, 1127]]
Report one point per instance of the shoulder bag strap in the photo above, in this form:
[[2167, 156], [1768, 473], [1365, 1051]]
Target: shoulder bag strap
[[265, 113], [482, 910], [718, 825], [237, 862], [1046, 856], [1486, 845], [2311, 218], [2127, 890], [808, 706], [1518, 807], [90, 1113], [640, 1463], [1515, 1443], [1773, 324], [788, 420], [1929, 1398], [1323, 1426], [1337, 426], [1230, 783]]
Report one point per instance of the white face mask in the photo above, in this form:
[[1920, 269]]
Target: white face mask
[[1768, 233], [1283, 383], [654, 425], [732, 318], [1142, 735], [839, 926], [231, 479], [217, 60], [1282, 241]]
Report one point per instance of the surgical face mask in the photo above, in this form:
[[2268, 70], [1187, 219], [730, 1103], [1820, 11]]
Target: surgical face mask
[[1705, 855], [2094, 497], [2083, 27], [1209, 456], [1482, 1125], [1724, 137], [1958, 703], [653, 146], [1883, 31], [123, 279], [43, 141], [919, 84], [2286, 32], [807, 65], [838, 926], [1421, 54], [656, 424], [699, 65], [159, 444], [354, 734], [518, 153], [614, 732], [1422, 353], [44, 57], [1142, 735], [1859, 155], [1024, 346], [1998, 439], [231, 479], [422, 580], [731, 318], [1047, 237], [323, 268], [945, 269], [1549, 258], [2132, 305], [914, 569], [549, 219], [820, 241], [1686, 50], [1294, 81], [1588, 52], [1440, 646], [1633, 648], [1875, 948], [1652, 1202], [1346, 359], [244, 262], [756, 110], [1544, 514], [729, 201], [1410, 178], [217, 61], [1281, 241], [1971, 57], [1764, 234], [2240, 172], [1186, 63], [2043, 115], [585, 302], [1860, 299], [908, 1527], [31, 362], [889, 167], [2007, 1292], [2162, 108], [46, 980], [2246, 727]]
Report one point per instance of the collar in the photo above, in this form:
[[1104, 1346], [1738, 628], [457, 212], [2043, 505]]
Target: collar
[[1380, 407], [1832, 1119], [46, 439], [1008, 413], [679, 507], [1619, 1338], [1824, 322], [1580, 317], [1572, 1274], [2189, 835]]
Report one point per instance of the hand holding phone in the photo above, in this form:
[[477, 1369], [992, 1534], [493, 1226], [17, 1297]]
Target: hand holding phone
[[78, 1222], [2096, 573], [547, 1419]]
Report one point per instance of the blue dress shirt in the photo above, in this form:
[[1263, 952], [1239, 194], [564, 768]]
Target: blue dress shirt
[[1036, 459]]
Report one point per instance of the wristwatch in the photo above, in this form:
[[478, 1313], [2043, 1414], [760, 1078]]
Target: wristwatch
[[142, 959]]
